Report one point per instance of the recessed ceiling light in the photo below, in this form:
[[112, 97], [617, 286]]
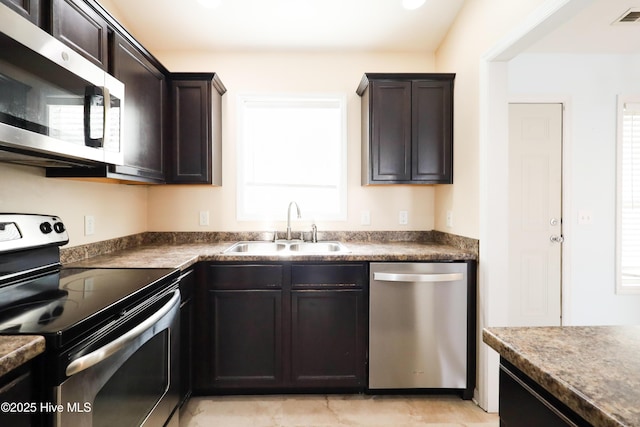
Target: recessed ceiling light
[[210, 4], [412, 4]]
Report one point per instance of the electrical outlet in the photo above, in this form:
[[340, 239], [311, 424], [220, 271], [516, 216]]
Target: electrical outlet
[[204, 218], [585, 217], [89, 225], [403, 218], [365, 218], [449, 219]]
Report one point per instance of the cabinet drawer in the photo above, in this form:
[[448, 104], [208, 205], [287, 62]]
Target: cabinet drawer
[[328, 275], [245, 276]]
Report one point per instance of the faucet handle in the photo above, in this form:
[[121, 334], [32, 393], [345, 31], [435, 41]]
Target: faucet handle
[[314, 233], [275, 235]]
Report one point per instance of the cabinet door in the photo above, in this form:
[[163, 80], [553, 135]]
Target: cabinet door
[[238, 331], [390, 133], [327, 330], [328, 325], [17, 387], [246, 337], [525, 404], [76, 24], [30, 9], [196, 143], [145, 102], [432, 123], [191, 159]]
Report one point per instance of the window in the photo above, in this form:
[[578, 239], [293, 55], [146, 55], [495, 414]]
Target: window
[[292, 148], [628, 199]]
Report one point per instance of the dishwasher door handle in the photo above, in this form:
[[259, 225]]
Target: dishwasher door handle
[[415, 277]]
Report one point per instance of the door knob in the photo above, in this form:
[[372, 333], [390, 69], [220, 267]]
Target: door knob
[[556, 239]]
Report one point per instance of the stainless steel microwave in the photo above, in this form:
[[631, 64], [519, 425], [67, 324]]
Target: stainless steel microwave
[[56, 107]]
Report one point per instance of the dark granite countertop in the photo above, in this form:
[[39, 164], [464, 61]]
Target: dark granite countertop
[[183, 255], [594, 370], [18, 350]]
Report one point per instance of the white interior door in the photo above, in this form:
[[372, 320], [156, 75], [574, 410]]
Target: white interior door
[[535, 224]]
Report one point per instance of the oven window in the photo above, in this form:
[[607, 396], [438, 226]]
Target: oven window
[[134, 390]]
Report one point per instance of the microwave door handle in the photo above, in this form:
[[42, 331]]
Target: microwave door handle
[[91, 93], [106, 132], [412, 277], [107, 350]]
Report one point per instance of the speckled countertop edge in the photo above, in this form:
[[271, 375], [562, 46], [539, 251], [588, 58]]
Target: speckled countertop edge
[[594, 370], [184, 255], [191, 247], [18, 350]]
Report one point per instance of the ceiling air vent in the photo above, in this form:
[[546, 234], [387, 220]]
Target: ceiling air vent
[[630, 16]]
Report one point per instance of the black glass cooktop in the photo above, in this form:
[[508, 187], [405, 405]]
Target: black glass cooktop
[[67, 303]]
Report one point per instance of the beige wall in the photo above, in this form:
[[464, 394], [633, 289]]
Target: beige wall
[[177, 207], [119, 210], [478, 27]]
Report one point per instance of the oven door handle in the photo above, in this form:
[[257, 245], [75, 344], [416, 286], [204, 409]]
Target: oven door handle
[[104, 352]]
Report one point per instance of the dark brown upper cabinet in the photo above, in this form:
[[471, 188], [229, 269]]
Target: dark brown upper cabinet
[[407, 128], [146, 104], [196, 146], [29, 9], [145, 117], [81, 28]]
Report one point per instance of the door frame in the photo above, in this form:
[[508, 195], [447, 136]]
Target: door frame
[[567, 223], [494, 212], [493, 145]]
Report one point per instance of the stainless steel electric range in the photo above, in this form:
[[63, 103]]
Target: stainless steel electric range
[[112, 335]]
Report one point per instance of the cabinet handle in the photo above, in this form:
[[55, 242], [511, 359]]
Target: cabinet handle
[[412, 277]]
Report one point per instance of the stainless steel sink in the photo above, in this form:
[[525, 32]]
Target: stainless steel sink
[[286, 247], [318, 247], [261, 248]]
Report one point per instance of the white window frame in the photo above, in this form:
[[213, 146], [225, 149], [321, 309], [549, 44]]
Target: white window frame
[[623, 285], [279, 212]]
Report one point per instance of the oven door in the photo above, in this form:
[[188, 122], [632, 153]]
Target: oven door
[[130, 381]]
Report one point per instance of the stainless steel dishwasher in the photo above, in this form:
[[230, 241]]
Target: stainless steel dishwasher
[[418, 326]]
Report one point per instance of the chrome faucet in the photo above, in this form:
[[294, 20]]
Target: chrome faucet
[[289, 218]]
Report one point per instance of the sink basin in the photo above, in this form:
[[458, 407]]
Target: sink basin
[[318, 247], [261, 248], [285, 248]]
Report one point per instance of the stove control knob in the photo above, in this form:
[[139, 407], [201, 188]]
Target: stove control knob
[[59, 227], [45, 227]]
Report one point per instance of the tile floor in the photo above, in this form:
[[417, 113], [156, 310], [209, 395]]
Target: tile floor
[[334, 411]]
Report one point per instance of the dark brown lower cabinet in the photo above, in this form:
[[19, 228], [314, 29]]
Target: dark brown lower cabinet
[[17, 390], [246, 338], [327, 338], [524, 403], [281, 327]]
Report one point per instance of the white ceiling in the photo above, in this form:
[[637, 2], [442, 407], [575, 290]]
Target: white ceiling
[[592, 31], [292, 25], [348, 25]]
